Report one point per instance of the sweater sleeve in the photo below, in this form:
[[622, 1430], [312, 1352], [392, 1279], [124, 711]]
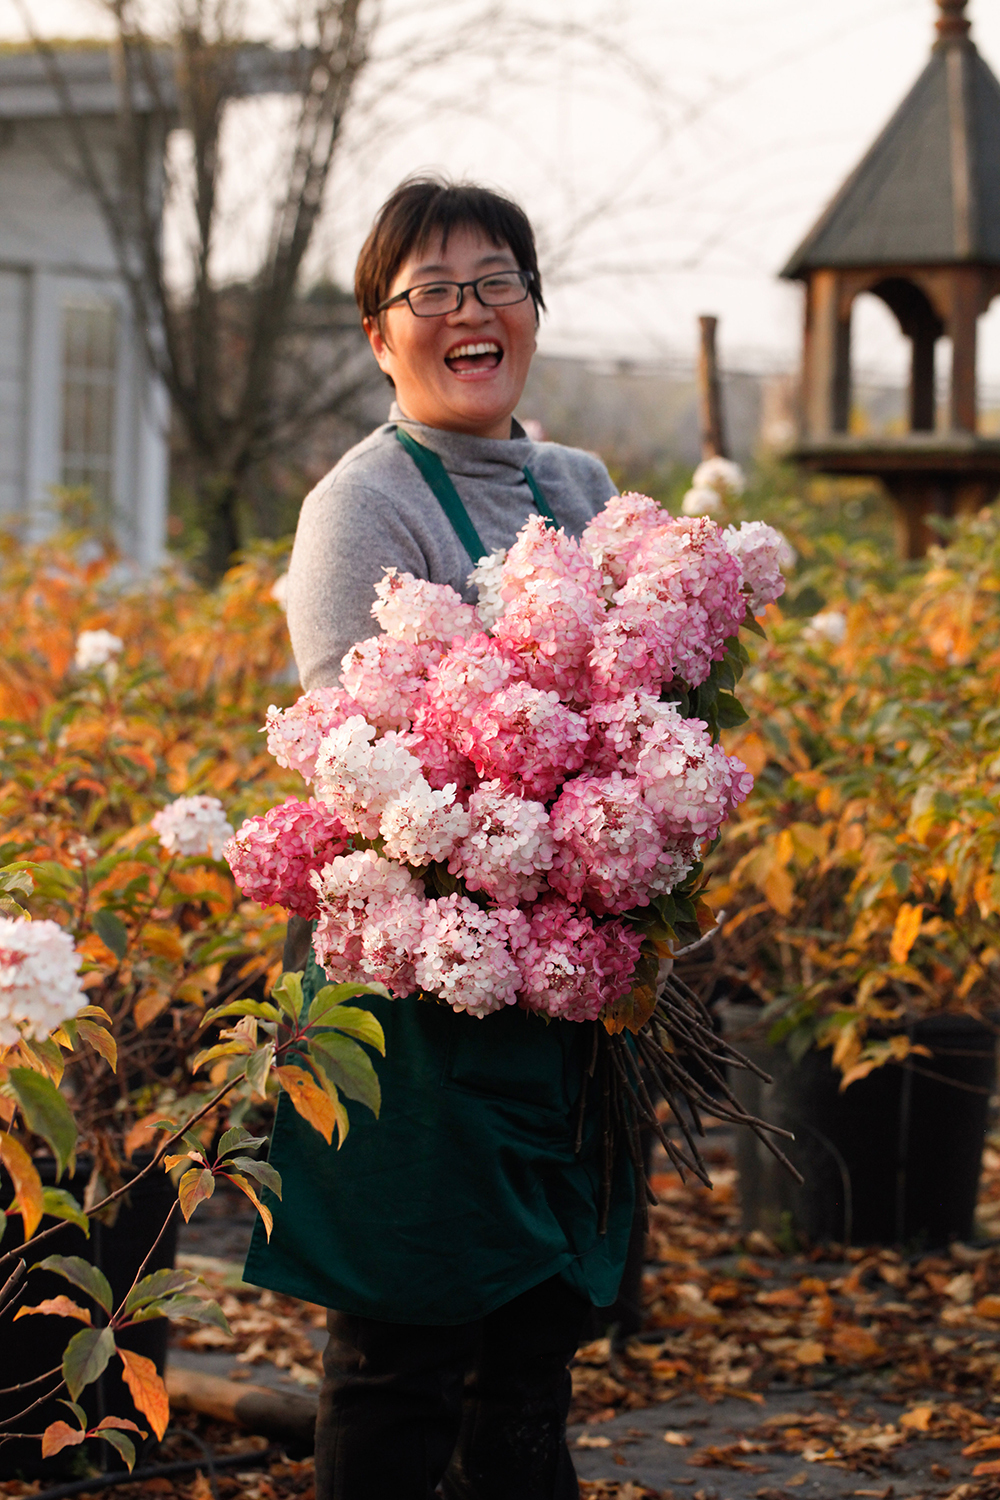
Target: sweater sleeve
[[348, 534]]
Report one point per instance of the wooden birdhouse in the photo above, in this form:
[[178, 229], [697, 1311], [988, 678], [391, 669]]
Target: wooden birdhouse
[[918, 225]]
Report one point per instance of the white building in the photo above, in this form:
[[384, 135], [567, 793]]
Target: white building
[[79, 404]]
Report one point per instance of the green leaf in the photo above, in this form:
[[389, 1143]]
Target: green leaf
[[258, 1008], [57, 1203], [122, 1445], [288, 993], [262, 1170], [259, 1065], [83, 1275], [901, 877], [222, 1049], [86, 1357], [348, 1066], [11, 908], [46, 1113], [158, 1284], [12, 879], [78, 1411], [111, 930], [347, 1018], [730, 711], [236, 1138], [194, 1309], [195, 1187]]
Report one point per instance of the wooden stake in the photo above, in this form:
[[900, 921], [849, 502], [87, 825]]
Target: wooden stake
[[713, 442]]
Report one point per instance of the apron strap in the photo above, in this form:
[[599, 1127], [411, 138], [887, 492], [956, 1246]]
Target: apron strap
[[439, 481]]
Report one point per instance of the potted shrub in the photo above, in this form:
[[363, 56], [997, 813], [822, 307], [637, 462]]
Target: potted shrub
[[861, 890]]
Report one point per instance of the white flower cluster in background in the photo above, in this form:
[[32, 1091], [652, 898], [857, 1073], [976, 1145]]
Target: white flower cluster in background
[[193, 825], [713, 482], [39, 979], [98, 648], [830, 625]]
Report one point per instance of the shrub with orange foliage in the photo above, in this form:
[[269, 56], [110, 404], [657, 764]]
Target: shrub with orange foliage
[[861, 880]]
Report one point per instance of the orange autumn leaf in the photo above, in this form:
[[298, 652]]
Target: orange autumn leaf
[[147, 1389], [27, 1183], [852, 1344], [312, 1102], [60, 1435], [904, 932], [58, 1307], [917, 1419]]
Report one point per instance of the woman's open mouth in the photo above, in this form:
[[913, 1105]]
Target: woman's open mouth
[[467, 358]]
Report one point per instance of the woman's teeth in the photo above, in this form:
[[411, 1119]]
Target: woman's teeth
[[474, 356]]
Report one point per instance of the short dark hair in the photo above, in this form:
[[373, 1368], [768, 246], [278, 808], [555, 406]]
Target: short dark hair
[[423, 206]]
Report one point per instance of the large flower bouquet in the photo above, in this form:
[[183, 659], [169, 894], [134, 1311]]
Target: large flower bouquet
[[511, 800]]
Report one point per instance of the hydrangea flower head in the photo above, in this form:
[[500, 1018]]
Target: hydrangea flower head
[[39, 979], [273, 857], [690, 785], [607, 844], [573, 966], [193, 825], [422, 825], [466, 955], [722, 475], [412, 609], [509, 848], [294, 734], [351, 890], [357, 775], [527, 740], [830, 625], [701, 502], [468, 674], [618, 729], [96, 648], [554, 604], [611, 539], [761, 552], [387, 678], [487, 577]]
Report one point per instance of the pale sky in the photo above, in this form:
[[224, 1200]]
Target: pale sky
[[704, 139]]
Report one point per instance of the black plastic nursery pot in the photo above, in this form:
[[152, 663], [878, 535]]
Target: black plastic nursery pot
[[30, 1346], [893, 1159]]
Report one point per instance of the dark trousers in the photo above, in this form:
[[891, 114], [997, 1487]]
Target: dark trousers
[[473, 1412]]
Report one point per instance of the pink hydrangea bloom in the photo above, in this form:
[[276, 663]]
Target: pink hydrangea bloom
[[509, 848], [632, 652], [554, 605], [358, 775], [607, 844], [684, 576], [390, 938], [273, 857], [422, 825], [617, 728], [441, 763], [412, 609], [294, 734], [761, 552], [465, 955], [469, 673], [612, 538], [690, 785], [387, 678], [573, 966], [527, 739], [352, 890]]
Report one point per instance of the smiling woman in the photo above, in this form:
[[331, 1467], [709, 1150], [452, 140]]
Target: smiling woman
[[458, 1236]]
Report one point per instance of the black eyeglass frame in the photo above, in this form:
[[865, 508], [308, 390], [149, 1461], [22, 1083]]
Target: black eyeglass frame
[[526, 278]]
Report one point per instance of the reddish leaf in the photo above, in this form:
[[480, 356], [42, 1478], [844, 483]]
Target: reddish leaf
[[147, 1389], [195, 1187], [27, 1183], [60, 1435], [60, 1307]]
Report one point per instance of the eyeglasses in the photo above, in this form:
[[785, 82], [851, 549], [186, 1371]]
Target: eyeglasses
[[434, 298]]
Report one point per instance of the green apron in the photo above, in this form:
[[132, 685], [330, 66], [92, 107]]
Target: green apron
[[467, 1190]]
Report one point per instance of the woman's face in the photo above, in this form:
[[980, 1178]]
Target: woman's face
[[462, 371]]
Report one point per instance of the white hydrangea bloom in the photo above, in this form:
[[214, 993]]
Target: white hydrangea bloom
[[701, 502], [829, 625], [721, 475], [357, 775], [422, 825], [97, 648], [279, 591], [465, 955], [761, 551], [39, 979], [487, 577], [193, 825], [414, 610]]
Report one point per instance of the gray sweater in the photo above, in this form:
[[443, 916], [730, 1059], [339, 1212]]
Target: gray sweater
[[374, 510]]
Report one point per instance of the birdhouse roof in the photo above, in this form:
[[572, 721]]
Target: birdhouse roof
[[928, 190]]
